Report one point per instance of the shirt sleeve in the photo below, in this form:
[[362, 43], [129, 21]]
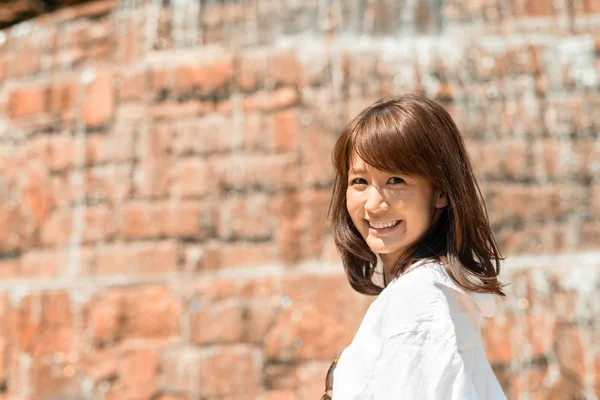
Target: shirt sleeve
[[420, 365]]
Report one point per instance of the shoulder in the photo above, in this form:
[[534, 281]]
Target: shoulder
[[426, 300], [426, 280], [411, 300]]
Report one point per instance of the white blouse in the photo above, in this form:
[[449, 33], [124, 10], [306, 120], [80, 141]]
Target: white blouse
[[419, 339]]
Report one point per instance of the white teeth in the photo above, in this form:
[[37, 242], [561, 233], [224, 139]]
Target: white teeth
[[384, 224]]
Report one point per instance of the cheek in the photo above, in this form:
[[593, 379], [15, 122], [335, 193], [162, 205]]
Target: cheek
[[354, 207], [352, 201]]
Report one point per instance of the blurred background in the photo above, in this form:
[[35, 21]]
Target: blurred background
[[165, 172]]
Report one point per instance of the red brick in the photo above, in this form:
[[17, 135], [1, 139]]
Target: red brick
[[43, 324], [316, 150], [570, 349], [277, 395], [171, 397], [188, 219], [138, 373], [4, 351], [3, 73], [310, 378], [150, 312], [50, 381], [585, 152], [515, 163], [486, 160], [531, 382], [313, 220], [261, 313], [99, 106], [285, 68], [221, 255], [134, 312], [251, 171], [62, 96], [55, 263], [595, 199], [62, 152], [330, 252], [146, 258], [116, 146], [192, 177], [324, 110], [539, 8], [546, 237], [257, 132], [104, 318], [151, 179], [288, 231], [96, 224], [280, 376], [160, 78], [306, 329], [11, 227], [209, 134], [278, 98], [35, 190], [252, 69], [26, 321], [105, 183], [27, 59], [134, 41], [205, 367], [222, 322], [179, 111], [9, 269], [98, 363], [207, 75], [497, 343], [590, 235], [28, 101], [286, 130], [133, 86], [110, 183], [180, 219], [247, 217]]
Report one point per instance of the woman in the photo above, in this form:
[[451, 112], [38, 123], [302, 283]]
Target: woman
[[406, 205]]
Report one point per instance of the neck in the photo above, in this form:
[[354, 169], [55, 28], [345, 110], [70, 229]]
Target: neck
[[388, 264]]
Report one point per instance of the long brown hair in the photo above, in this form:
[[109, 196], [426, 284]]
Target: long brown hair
[[414, 135]]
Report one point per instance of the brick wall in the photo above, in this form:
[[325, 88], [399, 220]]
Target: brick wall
[[165, 170]]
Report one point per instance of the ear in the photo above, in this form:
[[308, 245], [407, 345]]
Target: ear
[[441, 200]]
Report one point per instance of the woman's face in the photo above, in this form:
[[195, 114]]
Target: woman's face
[[376, 199]]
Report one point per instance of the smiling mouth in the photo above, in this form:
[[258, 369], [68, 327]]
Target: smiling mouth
[[384, 229]]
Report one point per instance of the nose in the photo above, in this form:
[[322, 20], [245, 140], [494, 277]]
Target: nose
[[375, 201]]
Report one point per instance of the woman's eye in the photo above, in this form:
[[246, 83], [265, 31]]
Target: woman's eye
[[358, 181], [398, 180]]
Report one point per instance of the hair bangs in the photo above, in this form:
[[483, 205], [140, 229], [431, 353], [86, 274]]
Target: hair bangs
[[384, 140]]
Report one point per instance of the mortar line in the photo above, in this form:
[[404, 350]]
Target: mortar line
[[551, 262]]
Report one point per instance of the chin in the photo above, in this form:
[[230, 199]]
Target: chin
[[382, 249]]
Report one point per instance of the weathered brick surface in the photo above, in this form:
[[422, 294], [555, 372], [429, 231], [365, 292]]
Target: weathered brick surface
[[165, 173]]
